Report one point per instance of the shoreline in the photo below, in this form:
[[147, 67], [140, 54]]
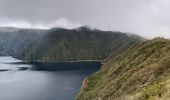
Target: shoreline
[[60, 61], [74, 61]]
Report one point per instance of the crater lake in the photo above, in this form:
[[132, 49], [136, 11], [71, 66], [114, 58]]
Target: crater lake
[[37, 81]]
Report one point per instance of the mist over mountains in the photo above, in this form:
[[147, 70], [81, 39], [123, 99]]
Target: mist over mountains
[[146, 18]]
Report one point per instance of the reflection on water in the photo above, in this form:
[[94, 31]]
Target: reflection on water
[[40, 82]]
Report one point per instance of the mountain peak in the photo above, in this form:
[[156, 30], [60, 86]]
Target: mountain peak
[[86, 28], [159, 39]]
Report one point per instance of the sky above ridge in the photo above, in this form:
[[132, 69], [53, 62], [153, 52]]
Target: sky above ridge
[[148, 18]]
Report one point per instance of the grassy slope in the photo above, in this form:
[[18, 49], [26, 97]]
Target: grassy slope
[[140, 73]]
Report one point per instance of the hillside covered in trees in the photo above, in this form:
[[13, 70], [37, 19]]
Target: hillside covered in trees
[[60, 44]]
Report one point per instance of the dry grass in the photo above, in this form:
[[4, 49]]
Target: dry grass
[[141, 72]]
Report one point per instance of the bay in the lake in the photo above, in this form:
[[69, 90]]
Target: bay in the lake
[[59, 81]]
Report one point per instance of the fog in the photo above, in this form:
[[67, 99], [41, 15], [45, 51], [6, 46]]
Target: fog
[[148, 18], [5, 22]]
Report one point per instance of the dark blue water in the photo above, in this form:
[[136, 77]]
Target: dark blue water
[[59, 81]]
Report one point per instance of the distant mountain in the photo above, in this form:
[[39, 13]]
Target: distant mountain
[[58, 44], [140, 73], [82, 43]]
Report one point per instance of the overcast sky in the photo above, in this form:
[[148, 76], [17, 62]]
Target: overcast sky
[[149, 18]]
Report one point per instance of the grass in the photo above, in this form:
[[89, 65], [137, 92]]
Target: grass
[[141, 72]]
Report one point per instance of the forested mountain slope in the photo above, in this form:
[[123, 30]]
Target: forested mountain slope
[[80, 44], [60, 44]]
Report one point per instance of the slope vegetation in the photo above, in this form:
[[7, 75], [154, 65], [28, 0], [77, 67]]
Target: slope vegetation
[[140, 73], [78, 44]]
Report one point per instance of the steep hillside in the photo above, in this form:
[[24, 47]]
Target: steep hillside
[[79, 44], [140, 73], [14, 41]]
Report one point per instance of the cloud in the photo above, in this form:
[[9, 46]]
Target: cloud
[[62, 22], [148, 18]]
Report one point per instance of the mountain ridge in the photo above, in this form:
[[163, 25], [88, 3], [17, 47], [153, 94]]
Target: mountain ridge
[[59, 44], [140, 73]]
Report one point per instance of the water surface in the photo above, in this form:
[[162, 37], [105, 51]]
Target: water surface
[[62, 81]]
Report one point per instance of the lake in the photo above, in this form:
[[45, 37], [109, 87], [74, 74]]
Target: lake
[[37, 81]]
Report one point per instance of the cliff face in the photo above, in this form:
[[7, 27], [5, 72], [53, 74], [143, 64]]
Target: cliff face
[[140, 73], [66, 44]]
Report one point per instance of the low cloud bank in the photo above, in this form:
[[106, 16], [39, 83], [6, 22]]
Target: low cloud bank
[[62, 22]]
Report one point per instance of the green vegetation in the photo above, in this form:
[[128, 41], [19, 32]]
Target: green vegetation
[[60, 44], [140, 73]]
